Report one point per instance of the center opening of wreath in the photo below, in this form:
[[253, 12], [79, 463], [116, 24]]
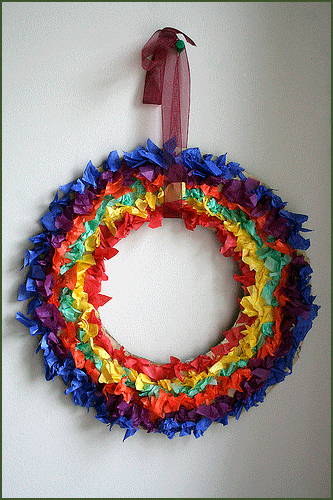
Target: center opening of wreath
[[173, 293]]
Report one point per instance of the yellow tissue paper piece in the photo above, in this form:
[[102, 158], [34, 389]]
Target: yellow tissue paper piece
[[101, 353], [141, 204], [151, 200], [111, 372], [165, 384], [141, 380], [93, 241], [110, 225]]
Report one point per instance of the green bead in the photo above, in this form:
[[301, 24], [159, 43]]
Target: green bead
[[180, 45]]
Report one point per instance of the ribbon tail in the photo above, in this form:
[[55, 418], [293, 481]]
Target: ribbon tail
[[183, 82], [155, 68], [154, 85], [174, 117], [176, 100]]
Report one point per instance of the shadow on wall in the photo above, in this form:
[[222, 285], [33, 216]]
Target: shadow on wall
[[118, 86]]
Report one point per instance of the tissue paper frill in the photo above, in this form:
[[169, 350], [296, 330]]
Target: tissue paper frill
[[63, 286]]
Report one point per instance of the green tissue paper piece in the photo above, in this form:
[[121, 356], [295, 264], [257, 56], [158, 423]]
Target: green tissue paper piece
[[194, 193], [150, 390], [89, 354], [65, 307], [80, 334], [128, 199], [139, 188], [266, 331]]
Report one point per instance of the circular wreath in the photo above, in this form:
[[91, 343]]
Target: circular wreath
[[80, 231]]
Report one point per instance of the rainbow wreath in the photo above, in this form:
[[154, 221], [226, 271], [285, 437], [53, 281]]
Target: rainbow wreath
[[81, 230]]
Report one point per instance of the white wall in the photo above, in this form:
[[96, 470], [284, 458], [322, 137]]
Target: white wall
[[72, 90]]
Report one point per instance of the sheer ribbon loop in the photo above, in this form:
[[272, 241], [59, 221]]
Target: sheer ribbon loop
[[168, 83]]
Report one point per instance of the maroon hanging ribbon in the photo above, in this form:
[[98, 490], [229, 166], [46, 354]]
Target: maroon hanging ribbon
[[167, 83]]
